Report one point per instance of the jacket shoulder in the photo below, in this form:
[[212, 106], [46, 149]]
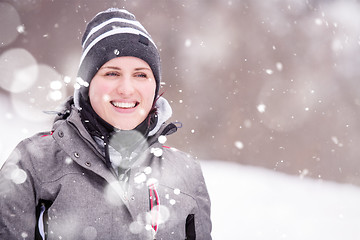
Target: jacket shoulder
[[179, 157], [33, 153], [39, 142], [184, 166]]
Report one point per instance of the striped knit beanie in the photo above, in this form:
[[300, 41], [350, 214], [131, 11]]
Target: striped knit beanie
[[110, 34]]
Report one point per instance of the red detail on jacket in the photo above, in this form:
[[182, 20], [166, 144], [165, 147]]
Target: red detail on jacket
[[51, 133]]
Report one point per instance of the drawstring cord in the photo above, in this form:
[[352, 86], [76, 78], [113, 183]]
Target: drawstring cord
[[154, 208]]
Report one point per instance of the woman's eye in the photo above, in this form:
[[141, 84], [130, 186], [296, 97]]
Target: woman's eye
[[111, 74], [142, 75]]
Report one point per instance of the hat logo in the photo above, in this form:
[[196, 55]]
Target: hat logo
[[116, 52]]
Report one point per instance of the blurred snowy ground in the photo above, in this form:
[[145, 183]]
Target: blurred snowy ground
[[253, 203], [248, 203]]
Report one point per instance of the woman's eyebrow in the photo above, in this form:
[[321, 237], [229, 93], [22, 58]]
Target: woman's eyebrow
[[111, 67], [142, 68], [118, 68]]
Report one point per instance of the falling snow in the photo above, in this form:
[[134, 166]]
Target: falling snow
[[140, 178], [269, 71], [187, 43], [162, 139], [157, 152], [176, 191], [299, 63], [239, 145], [261, 108]]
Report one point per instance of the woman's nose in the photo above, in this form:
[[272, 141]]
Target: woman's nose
[[125, 86]]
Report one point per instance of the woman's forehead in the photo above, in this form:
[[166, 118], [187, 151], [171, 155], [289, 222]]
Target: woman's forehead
[[127, 61]]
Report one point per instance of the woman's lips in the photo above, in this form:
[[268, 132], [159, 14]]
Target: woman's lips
[[125, 107]]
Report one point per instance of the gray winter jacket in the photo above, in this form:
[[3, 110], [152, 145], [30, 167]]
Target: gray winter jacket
[[57, 186]]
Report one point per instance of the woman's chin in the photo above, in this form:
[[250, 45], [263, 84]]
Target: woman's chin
[[126, 124]]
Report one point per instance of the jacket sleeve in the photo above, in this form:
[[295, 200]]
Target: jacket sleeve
[[202, 219], [17, 196]]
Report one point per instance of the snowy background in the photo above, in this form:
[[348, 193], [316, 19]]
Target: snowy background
[[267, 91], [253, 203]]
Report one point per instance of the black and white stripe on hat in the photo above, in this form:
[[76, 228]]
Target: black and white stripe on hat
[[110, 34]]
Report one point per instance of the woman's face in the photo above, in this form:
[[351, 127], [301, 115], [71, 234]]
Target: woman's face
[[122, 92]]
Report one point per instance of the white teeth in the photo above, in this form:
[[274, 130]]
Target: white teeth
[[123, 104]]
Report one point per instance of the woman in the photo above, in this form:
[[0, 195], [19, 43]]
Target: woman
[[103, 171]]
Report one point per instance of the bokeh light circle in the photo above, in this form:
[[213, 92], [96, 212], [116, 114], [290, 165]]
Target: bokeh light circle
[[9, 24], [18, 70], [41, 96]]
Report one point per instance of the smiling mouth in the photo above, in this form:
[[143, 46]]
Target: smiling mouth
[[125, 105]]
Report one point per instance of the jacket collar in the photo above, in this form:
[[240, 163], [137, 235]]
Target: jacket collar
[[71, 113]]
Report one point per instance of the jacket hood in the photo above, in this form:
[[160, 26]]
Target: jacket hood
[[164, 112]]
